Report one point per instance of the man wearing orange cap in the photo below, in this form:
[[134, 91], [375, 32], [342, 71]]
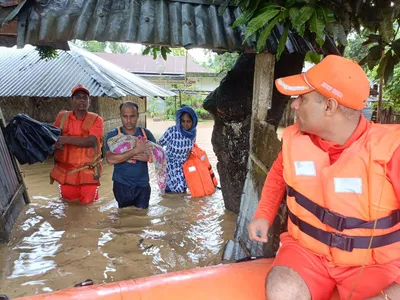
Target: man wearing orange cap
[[77, 158], [341, 177]]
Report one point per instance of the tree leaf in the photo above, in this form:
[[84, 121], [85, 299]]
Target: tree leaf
[[382, 66], [326, 13], [164, 52], [374, 56], [154, 53], [342, 37], [282, 42], [246, 15], [302, 29], [146, 51], [317, 26], [294, 14], [333, 30], [313, 57], [262, 39], [386, 25], [388, 74], [372, 38], [396, 47], [303, 16], [259, 22]]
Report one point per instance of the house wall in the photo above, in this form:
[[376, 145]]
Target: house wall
[[196, 83], [41, 109], [207, 83], [109, 111]]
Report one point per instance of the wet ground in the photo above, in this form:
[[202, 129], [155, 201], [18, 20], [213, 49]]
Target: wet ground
[[56, 245]]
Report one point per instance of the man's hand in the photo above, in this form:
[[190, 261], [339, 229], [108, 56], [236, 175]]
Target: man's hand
[[141, 157], [59, 145], [141, 147], [258, 230]]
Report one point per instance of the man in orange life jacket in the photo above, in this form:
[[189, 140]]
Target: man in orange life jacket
[[341, 176], [77, 157]]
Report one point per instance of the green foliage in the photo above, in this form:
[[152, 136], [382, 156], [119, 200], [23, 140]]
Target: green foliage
[[163, 51], [356, 49], [377, 22], [220, 62], [308, 18], [118, 47], [392, 90], [383, 50], [46, 52], [101, 47], [94, 46], [202, 113], [193, 100], [178, 51], [157, 51]]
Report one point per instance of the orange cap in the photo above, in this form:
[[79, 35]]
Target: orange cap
[[78, 88], [334, 77]]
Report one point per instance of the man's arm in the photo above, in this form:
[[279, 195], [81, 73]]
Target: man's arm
[[88, 142], [271, 198], [114, 159], [272, 193], [95, 134]]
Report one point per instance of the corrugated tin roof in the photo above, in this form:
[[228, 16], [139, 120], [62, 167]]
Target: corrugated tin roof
[[145, 64], [162, 22], [23, 73]]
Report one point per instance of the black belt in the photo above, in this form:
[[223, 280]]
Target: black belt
[[338, 221], [344, 242]]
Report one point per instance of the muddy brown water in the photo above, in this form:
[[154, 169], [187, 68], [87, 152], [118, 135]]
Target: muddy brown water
[[55, 244]]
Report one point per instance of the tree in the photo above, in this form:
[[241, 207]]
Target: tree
[[178, 51], [163, 51], [118, 47], [316, 19], [355, 48], [392, 90], [94, 46], [220, 62]]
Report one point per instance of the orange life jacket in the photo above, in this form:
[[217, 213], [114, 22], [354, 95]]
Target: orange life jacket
[[76, 165], [199, 175], [333, 208]]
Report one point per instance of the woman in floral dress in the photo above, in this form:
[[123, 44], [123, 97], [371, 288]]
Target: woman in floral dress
[[179, 140]]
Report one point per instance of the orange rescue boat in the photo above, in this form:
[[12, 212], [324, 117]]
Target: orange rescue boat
[[239, 281]]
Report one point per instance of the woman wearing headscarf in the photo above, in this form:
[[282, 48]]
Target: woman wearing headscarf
[[179, 140]]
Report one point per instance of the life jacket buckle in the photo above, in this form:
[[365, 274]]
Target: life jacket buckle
[[333, 220], [341, 242]]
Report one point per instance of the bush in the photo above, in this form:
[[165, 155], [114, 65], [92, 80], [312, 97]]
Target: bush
[[195, 102], [202, 113]]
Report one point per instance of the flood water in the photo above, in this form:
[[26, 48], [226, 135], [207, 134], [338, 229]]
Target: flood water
[[55, 244]]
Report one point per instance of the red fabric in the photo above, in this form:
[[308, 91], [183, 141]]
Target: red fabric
[[321, 277], [274, 186], [85, 194]]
